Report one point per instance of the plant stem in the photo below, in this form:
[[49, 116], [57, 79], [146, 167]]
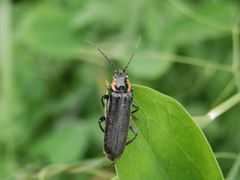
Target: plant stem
[[94, 57], [232, 175], [204, 120], [198, 62], [6, 125], [226, 105], [229, 88], [236, 54], [198, 17], [226, 155], [89, 166]]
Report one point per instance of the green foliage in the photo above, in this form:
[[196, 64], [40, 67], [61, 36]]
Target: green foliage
[[169, 146], [47, 29], [57, 145], [51, 79]]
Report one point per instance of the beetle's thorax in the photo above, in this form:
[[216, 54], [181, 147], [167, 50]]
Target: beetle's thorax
[[120, 82]]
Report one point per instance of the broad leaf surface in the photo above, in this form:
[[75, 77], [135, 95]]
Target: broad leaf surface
[[169, 146]]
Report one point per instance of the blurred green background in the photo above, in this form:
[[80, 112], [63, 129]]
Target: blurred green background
[[51, 80]]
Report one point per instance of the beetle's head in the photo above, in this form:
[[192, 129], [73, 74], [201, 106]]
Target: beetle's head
[[120, 80]]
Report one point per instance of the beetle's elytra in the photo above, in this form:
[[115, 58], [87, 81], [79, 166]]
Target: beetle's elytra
[[118, 102]]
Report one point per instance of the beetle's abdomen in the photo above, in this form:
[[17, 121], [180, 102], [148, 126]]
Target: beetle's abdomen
[[117, 124]]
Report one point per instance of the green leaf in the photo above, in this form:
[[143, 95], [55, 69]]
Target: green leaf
[[48, 29], [169, 146], [66, 143], [142, 68]]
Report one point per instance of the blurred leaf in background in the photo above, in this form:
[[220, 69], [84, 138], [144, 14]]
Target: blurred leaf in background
[[51, 79]]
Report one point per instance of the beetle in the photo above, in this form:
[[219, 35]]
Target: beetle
[[119, 107]]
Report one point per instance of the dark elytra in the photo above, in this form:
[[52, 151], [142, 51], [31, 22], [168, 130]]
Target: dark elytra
[[117, 124]]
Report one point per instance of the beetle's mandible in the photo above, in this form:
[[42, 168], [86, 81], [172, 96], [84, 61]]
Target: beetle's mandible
[[119, 107]]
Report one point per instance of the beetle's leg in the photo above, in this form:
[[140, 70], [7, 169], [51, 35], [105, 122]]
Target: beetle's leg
[[135, 134], [134, 111], [103, 118], [136, 108], [104, 97], [100, 121]]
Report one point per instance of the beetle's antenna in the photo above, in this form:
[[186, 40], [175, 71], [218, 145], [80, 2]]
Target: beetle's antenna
[[108, 59], [139, 39]]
